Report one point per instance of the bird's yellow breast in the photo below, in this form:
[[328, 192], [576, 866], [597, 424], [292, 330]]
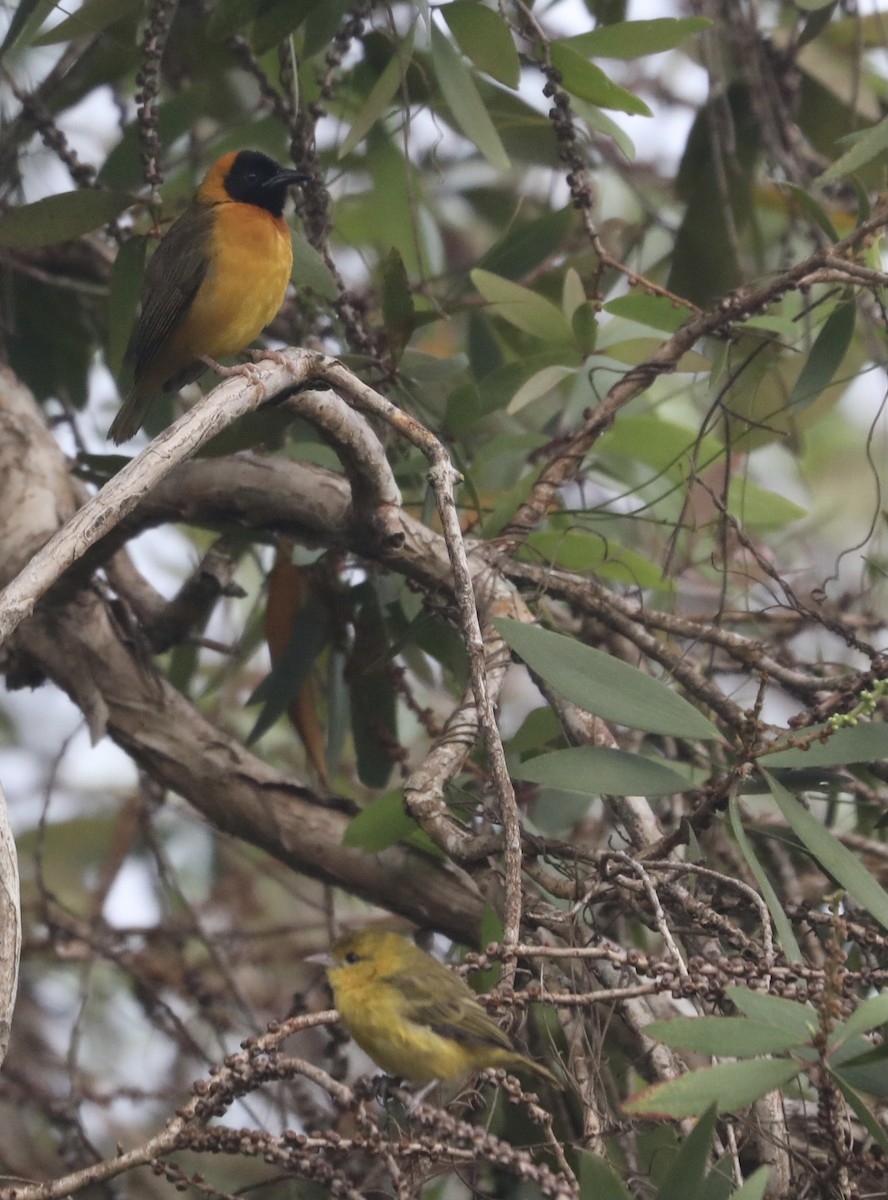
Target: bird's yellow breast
[[238, 299], [378, 1019]]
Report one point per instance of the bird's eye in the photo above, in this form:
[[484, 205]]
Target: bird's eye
[[252, 177], [352, 957]]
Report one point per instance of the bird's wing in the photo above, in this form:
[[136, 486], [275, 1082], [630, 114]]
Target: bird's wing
[[449, 1011], [174, 274]]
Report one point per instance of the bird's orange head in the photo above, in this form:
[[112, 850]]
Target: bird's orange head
[[249, 177]]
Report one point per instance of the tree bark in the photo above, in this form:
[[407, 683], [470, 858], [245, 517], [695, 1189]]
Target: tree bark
[[10, 927], [79, 643]]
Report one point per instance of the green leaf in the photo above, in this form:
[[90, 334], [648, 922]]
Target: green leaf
[[60, 218], [829, 349], [123, 298], [92, 17], [861, 1109], [869, 1015], [596, 770], [728, 1037], [310, 270], [840, 862], [598, 1179], [398, 310], [604, 685], [377, 103], [867, 145], [491, 931], [484, 37], [758, 508], [785, 935], [522, 308], [754, 1187], [528, 243], [688, 1169], [799, 1020], [464, 101], [811, 207], [28, 16], [539, 385], [381, 824], [229, 17], [861, 743], [583, 550], [587, 81], [633, 39], [654, 311], [373, 701], [729, 1086]]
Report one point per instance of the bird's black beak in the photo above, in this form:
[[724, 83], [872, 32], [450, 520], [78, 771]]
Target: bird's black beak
[[287, 177]]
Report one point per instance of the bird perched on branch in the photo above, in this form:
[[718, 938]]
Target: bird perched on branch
[[215, 281], [414, 1017]]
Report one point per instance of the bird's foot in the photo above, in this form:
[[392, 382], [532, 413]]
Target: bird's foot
[[271, 355], [419, 1097], [244, 370]]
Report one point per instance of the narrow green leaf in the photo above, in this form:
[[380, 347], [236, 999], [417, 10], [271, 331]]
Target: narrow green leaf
[[464, 101], [840, 862], [537, 386], [484, 37], [60, 218], [398, 309], [595, 771], [373, 701], [799, 1020], [865, 742], [869, 1015], [785, 935], [123, 298], [728, 1085], [28, 15], [866, 1117], [807, 202], [491, 931], [829, 349], [862, 1066], [867, 145], [583, 550], [633, 39], [528, 243], [92, 17], [758, 508], [604, 685], [584, 323], [598, 1179], [381, 95], [654, 311], [522, 308], [309, 268], [754, 1187], [688, 1169], [229, 17], [587, 81], [728, 1037]]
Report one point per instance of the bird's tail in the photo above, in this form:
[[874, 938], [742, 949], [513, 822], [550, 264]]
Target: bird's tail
[[130, 417]]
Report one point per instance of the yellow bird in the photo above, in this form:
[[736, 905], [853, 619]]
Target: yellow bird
[[414, 1017]]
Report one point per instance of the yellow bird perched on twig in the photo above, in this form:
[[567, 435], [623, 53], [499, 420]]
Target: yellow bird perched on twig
[[414, 1017]]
